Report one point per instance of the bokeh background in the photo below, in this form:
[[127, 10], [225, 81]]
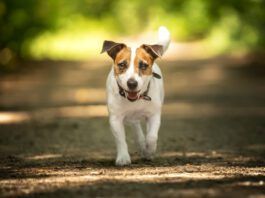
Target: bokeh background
[[55, 139], [73, 30]]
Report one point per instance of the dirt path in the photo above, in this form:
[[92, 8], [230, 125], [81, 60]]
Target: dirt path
[[55, 139]]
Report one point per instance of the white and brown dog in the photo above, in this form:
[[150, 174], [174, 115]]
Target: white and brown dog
[[134, 92]]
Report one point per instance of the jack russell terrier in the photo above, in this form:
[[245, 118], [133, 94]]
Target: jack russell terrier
[[135, 92]]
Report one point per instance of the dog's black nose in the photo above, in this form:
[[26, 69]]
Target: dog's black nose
[[132, 84]]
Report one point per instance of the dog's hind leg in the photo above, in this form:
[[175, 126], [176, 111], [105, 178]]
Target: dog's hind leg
[[140, 138]]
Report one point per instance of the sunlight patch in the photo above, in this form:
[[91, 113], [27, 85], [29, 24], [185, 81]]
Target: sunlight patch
[[44, 156], [13, 117]]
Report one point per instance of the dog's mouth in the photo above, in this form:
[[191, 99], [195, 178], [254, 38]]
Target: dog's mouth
[[132, 95]]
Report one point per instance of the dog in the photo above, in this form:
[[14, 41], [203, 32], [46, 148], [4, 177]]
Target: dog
[[135, 92]]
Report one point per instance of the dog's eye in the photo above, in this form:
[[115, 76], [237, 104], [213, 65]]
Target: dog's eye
[[122, 65], [142, 65]]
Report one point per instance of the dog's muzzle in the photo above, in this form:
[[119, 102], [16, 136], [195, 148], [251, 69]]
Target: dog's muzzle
[[134, 95]]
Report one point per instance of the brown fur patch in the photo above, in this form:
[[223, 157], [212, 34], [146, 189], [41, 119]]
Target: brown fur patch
[[123, 56], [142, 55]]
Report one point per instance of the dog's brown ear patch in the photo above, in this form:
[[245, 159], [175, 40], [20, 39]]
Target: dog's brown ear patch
[[112, 48], [154, 50]]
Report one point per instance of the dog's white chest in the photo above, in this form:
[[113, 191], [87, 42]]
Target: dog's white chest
[[140, 110]]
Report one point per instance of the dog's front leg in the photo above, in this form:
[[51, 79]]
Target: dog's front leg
[[153, 124], [117, 128]]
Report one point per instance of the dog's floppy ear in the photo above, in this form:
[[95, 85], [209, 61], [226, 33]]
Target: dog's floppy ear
[[112, 48], [154, 50]]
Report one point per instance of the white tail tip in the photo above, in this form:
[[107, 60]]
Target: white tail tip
[[163, 33], [163, 37]]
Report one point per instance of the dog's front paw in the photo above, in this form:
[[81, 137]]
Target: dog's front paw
[[123, 160]]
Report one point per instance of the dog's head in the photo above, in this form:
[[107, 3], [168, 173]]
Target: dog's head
[[132, 66]]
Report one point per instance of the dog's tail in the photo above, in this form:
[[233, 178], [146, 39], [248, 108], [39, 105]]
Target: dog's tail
[[163, 37]]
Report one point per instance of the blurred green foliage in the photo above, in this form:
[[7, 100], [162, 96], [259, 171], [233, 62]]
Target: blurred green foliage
[[240, 23]]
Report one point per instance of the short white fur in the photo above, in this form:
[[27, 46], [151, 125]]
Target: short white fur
[[122, 111]]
